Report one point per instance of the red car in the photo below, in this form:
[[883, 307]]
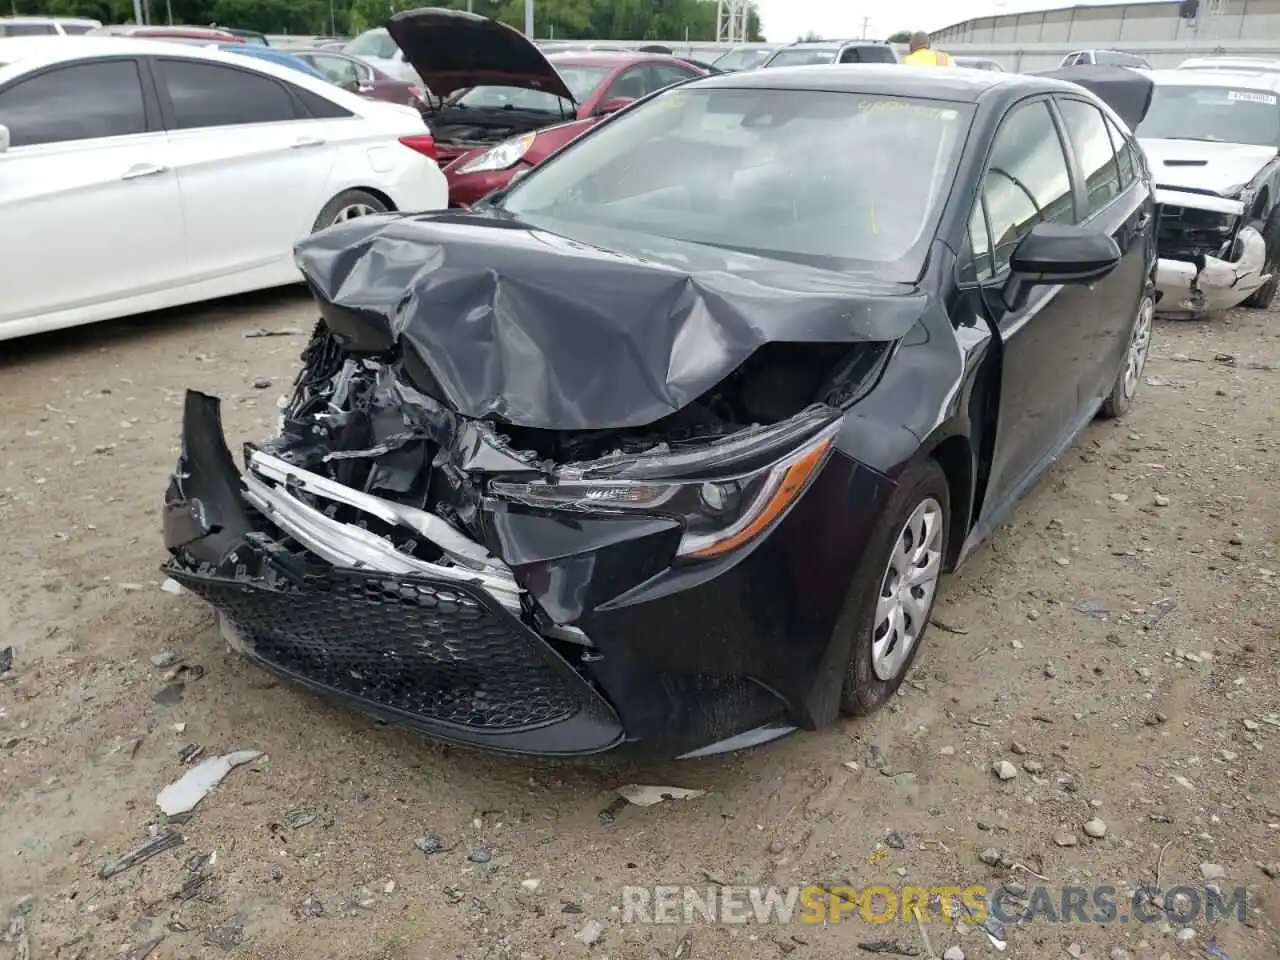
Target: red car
[[501, 106], [352, 73]]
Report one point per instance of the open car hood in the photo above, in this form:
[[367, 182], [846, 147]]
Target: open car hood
[[453, 50], [504, 322], [1127, 92]]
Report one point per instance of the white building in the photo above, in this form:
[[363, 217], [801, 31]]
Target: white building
[[1154, 30]]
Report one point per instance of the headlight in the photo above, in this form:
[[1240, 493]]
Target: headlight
[[719, 514], [504, 155]]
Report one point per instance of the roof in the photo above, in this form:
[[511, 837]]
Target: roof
[[1239, 79], [603, 58], [38, 19], [930, 83], [18, 54]]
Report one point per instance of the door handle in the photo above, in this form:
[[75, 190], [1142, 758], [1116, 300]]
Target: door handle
[[308, 142], [142, 170]]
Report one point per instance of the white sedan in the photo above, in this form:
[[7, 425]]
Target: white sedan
[[137, 175]]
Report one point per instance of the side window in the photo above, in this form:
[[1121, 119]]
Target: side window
[[337, 70], [211, 95], [1027, 181], [630, 83], [1087, 132], [87, 101], [664, 74], [318, 107], [850, 55], [1124, 155]]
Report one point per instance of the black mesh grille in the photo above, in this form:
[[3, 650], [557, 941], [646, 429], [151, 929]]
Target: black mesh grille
[[412, 645]]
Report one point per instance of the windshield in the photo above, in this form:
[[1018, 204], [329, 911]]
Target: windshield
[[741, 59], [1220, 114], [802, 57], [832, 179], [581, 81], [372, 43]]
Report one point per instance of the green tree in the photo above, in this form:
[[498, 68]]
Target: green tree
[[901, 36]]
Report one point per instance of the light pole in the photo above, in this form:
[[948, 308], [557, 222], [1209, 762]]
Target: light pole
[[528, 18]]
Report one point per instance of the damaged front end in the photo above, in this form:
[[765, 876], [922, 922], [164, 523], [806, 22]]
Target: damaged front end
[[1210, 257], [424, 541]]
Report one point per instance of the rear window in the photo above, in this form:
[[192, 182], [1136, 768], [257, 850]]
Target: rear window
[[581, 81], [75, 29], [876, 54], [26, 29], [802, 57], [372, 43]]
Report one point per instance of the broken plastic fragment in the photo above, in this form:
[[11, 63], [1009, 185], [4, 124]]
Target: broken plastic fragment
[[182, 795], [647, 796]]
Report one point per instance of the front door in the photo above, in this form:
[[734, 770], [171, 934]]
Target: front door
[[89, 209]]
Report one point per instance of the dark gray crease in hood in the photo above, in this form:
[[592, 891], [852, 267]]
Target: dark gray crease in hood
[[452, 50], [532, 329]]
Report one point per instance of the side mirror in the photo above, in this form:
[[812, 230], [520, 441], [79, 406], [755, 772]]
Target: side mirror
[[4, 138], [613, 105], [1055, 254], [351, 85]]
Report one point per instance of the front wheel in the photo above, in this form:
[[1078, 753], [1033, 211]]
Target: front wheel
[[895, 587], [1123, 390]]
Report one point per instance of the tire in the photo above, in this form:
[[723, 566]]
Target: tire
[[1129, 376], [1261, 298], [340, 208], [870, 680]]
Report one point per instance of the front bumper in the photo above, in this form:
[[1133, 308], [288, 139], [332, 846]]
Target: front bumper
[[1195, 287], [434, 649], [587, 641]]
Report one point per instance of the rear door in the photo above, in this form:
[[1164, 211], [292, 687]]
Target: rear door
[[252, 169], [1027, 180], [89, 209], [1113, 200]]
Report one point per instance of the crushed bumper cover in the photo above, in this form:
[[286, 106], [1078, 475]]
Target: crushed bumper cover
[[1208, 284], [440, 650], [566, 651]]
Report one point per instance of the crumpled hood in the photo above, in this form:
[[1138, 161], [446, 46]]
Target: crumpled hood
[[1201, 165], [536, 330], [453, 50]]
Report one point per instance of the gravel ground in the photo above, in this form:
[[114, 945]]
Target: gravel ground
[[1116, 644]]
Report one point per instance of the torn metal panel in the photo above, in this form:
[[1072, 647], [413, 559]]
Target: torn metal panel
[[513, 324]]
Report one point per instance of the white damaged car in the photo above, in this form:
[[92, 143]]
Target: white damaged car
[[1212, 140]]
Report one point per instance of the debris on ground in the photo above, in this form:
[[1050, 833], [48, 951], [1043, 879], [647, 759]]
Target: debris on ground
[[157, 844], [590, 933], [648, 796], [182, 795]]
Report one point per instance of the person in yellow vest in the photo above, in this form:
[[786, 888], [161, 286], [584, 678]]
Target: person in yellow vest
[[923, 55]]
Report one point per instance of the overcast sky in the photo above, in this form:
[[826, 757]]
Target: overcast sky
[[785, 20]]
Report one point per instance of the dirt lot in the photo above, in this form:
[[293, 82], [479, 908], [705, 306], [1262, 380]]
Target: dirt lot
[[1117, 643]]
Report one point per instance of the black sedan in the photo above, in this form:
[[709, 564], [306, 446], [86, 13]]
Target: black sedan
[[667, 445]]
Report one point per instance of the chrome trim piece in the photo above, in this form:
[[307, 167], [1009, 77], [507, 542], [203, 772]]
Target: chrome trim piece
[[345, 545]]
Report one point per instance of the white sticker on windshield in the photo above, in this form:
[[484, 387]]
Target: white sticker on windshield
[[1249, 96]]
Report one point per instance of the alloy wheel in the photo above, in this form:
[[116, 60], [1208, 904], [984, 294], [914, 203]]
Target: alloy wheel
[[908, 588], [353, 210], [1139, 344]]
